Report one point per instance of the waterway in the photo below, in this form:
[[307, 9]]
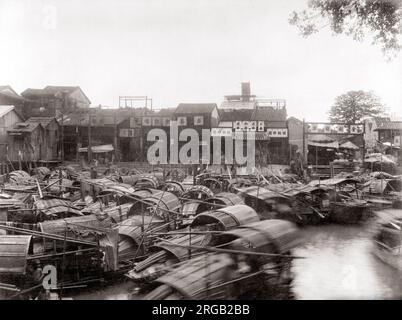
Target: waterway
[[338, 264]]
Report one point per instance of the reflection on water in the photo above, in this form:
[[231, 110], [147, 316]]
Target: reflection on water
[[339, 264]]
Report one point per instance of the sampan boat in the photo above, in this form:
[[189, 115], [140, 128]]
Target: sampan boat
[[388, 237], [255, 266]]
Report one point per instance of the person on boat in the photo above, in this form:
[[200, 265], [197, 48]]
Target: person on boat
[[35, 277]]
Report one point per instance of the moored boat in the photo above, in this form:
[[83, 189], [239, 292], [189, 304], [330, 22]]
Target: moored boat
[[388, 237], [351, 211]]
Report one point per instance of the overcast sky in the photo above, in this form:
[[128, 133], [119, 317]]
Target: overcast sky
[[187, 51]]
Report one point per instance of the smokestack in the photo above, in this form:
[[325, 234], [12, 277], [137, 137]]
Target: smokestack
[[245, 91]]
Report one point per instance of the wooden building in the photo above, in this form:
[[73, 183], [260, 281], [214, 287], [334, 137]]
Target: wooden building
[[54, 101], [8, 117], [52, 141], [97, 126], [269, 127], [389, 135], [9, 97], [272, 121], [25, 142], [265, 117], [197, 116], [371, 137], [143, 125]]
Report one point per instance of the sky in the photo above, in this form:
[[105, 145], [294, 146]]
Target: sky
[[176, 51]]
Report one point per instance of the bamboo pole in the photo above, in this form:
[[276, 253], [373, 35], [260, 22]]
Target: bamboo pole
[[46, 235], [219, 250]]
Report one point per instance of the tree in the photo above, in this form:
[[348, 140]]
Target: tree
[[380, 18], [351, 107]]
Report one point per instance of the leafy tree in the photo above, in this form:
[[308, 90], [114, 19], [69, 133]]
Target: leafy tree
[[351, 107], [380, 18]]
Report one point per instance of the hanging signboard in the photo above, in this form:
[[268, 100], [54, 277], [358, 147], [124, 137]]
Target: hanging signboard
[[221, 132], [275, 103], [245, 125], [334, 128], [127, 133], [277, 132]]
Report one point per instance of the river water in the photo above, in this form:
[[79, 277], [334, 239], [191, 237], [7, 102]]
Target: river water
[[337, 264]]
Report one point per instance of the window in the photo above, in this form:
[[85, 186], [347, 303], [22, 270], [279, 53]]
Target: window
[[182, 121], [199, 120], [156, 122], [166, 122], [260, 125], [146, 121], [135, 122]]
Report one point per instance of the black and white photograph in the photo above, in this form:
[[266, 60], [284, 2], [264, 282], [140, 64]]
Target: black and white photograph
[[235, 150]]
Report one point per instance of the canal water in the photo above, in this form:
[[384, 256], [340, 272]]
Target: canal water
[[338, 264]]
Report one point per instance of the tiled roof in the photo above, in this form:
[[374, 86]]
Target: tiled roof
[[195, 108], [44, 121], [235, 115], [269, 114], [97, 120], [50, 91], [275, 124], [379, 121], [5, 109], [21, 127], [294, 119], [166, 112], [271, 119], [9, 92], [237, 104], [56, 89]]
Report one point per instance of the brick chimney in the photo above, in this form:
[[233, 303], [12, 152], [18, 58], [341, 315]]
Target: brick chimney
[[245, 91]]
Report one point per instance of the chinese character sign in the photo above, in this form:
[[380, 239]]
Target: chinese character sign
[[335, 128], [278, 132]]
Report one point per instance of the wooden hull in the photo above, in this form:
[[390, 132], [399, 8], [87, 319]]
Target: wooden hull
[[392, 258], [348, 213]]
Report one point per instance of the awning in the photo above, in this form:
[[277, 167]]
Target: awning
[[390, 145], [378, 157], [98, 149], [320, 138], [348, 145], [331, 145]]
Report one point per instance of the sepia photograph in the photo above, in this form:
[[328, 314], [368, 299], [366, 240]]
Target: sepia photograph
[[235, 150]]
